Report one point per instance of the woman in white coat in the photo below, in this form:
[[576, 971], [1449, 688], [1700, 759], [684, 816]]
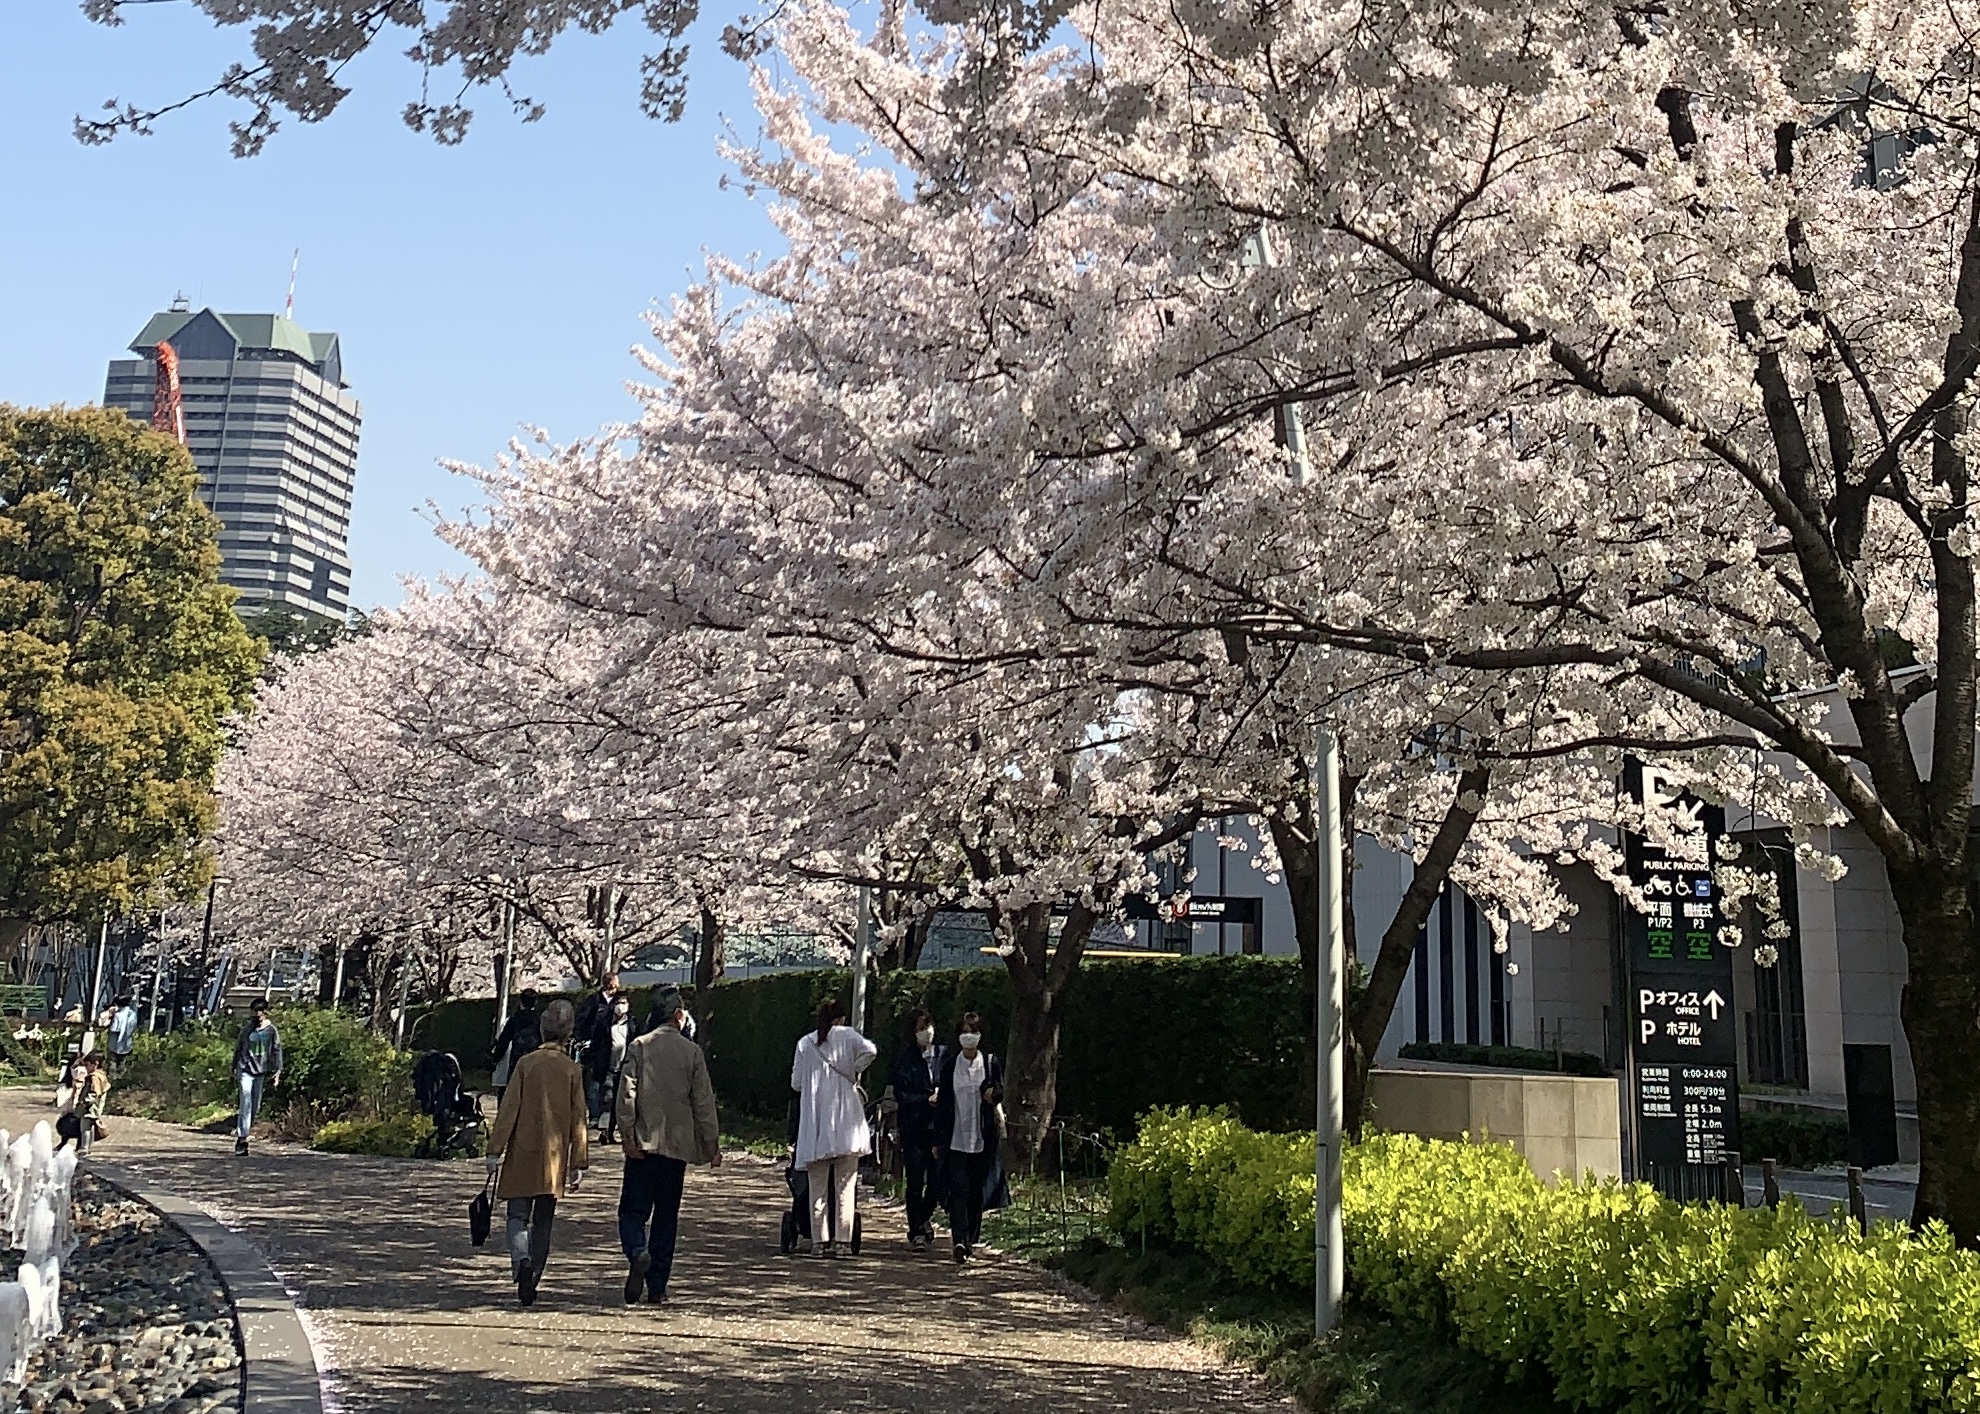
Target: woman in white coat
[[832, 1131]]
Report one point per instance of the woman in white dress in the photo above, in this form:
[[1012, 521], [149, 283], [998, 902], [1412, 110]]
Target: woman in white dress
[[832, 1131]]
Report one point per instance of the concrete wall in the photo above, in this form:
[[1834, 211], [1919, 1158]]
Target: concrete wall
[[1566, 1124]]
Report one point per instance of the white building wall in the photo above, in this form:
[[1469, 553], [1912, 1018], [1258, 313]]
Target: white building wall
[[1561, 985]]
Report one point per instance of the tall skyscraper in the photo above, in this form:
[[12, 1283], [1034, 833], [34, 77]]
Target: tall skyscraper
[[274, 431]]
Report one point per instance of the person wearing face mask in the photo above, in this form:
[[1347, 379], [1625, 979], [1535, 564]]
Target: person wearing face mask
[[917, 1069], [592, 1018], [969, 1110], [604, 1057]]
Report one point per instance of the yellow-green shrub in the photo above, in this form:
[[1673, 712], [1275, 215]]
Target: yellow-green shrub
[[1201, 1180], [393, 1137], [1627, 1301]]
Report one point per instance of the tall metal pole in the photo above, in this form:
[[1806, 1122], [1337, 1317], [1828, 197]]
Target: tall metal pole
[[157, 974], [405, 989], [96, 981], [337, 983], [1328, 1270], [205, 947], [506, 965], [862, 953], [611, 931]]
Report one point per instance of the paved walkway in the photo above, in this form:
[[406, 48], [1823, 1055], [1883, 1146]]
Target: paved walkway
[[408, 1316]]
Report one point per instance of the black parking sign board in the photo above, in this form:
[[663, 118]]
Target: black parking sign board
[[1683, 1038]]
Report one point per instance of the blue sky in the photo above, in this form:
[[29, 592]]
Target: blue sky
[[478, 288]]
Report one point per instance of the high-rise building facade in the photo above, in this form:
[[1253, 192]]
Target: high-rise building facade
[[274, 431]]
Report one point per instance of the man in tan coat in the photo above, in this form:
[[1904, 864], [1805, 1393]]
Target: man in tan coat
[[541, 1141], [666, 1112]]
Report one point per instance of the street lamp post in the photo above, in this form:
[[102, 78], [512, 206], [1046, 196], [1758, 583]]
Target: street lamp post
[[862, 957], [96, 979], [205, 946], [1328, 1020], [157, 974], [508, 962], [1327, 1264]]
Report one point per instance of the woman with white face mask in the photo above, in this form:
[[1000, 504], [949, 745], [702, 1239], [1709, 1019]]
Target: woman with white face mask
[[969, 1111], [607, 1057], [917, 1071]]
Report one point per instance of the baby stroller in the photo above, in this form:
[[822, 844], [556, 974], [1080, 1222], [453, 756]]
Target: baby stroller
[[796, 1225], [456, 1113], [797, 1222]]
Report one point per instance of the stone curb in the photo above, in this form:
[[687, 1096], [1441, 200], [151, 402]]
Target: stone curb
[[278, 1363]]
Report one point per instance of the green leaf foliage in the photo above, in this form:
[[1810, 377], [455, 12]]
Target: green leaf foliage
[[1621, 1299], [330, 1062], [120, 661]]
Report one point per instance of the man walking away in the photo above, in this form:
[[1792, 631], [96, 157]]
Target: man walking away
[[917, 1068], [541, 1141], [519, 1037], [666, 1113], [123, 1031], [257, 1065]]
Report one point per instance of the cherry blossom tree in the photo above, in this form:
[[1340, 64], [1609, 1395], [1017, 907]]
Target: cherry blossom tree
[[1634, 344]]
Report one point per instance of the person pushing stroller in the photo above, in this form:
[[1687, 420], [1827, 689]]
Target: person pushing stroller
[[833, 1134]]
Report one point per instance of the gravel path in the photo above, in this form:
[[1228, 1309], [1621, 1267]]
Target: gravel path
[[408, 1316], [146, 1323]]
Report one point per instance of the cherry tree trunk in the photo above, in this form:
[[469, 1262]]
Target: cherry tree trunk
[[1941, 1003], [1297, 852], [709, 962], [1040, 975]]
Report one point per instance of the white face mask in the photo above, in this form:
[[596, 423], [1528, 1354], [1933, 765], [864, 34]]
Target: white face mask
[[970, 1040], [925, 1037]]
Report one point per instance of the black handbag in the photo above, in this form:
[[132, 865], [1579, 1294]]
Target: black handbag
[[481, 1212]]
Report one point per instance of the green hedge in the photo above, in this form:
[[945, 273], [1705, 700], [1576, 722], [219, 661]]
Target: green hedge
[[1181, 1031], [1506, 1057], [1798, 1139], [1625, 1300]]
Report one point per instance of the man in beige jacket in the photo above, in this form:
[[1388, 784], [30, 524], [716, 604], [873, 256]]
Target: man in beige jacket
[[666, 1113], [541, 1142]]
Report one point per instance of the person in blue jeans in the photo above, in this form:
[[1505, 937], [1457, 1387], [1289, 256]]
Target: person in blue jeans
[[667, 1120], [257, 1065]]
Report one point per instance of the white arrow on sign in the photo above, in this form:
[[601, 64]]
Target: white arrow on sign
[[1714, 1001]]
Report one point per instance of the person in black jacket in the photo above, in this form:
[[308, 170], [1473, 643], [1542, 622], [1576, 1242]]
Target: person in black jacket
[[592, 1018], [611, 1041], [917, 1070], [522, 1035], [969, 1101]]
